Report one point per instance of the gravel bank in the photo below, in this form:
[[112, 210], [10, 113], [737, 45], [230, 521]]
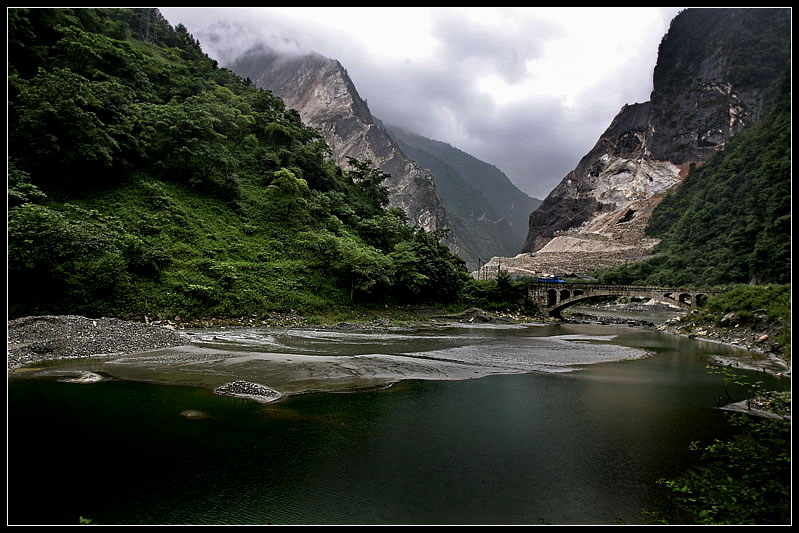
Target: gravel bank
[[40, 338]]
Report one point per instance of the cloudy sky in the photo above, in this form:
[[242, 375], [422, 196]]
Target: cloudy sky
[[529, 90]]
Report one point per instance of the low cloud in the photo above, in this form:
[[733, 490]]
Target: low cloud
[[504, 85]]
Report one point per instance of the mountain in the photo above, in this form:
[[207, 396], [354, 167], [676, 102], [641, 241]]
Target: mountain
[[438, 186], [145, 180], [730, 220], [325, 97], [716, 74], [489, 212]]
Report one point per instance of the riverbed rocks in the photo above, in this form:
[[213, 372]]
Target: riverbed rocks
[[249, 391], [583, 318], [288, 318], [475, 315], [39, 338], [774, 405], [379, 324], [757, 340]]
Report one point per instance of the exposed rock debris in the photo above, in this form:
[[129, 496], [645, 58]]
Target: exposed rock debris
[[477, 315], [760, 342], [249, 391], [39, 338]]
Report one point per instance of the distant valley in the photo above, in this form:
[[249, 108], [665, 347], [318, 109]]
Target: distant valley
[[437, 185], [146, 180]]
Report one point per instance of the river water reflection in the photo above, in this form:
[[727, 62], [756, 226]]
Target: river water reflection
[[522, 424]]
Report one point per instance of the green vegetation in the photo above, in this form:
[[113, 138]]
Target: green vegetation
[[503, 293], [751, 308], [144, 179], [742, 480], [730, 220], [772, 302]]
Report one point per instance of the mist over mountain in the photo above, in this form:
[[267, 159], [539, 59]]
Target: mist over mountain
[[438, 186], [527, 89]]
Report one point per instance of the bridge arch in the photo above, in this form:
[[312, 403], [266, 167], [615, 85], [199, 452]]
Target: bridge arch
[[553, 300], [558, 309], [552, 297]]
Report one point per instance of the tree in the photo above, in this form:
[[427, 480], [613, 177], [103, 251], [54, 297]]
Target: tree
[[289, 197], [369, 181], [367, 267], [68, 131]]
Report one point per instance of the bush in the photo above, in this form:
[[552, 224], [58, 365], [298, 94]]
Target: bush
[[744, 480]]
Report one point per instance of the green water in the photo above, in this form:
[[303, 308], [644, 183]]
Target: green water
[[506, 447]]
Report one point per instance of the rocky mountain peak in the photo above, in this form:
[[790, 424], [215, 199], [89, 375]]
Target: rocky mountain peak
[[715, 71], [321, 90]]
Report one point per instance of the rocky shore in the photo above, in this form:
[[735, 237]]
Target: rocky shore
[[39, 338], [33, 339], [584, 318], [768, 354]]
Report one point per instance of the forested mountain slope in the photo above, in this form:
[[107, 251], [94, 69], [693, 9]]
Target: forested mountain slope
[[323, 93], [435, 184], [144, 179]]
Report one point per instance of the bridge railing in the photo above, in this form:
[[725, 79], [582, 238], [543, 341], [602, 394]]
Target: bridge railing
[[612, 288]]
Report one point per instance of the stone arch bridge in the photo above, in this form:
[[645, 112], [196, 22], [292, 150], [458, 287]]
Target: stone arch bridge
[[552, 298]]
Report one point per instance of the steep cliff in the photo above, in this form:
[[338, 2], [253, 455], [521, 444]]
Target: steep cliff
[[323, 93], [616, 179], [716, 72]]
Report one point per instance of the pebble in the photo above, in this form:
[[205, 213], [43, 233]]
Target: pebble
[[39, 338]]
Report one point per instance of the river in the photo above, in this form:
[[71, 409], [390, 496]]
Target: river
[[449, 424]]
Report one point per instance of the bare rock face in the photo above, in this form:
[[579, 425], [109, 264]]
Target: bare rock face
[[608, 184], [715, 72], [323, 93], [709, 84]]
